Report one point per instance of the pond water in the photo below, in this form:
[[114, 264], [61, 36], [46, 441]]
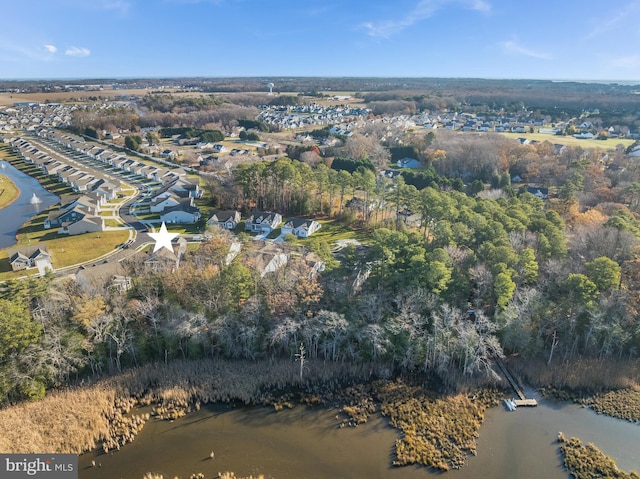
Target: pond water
[[305, 443], [20, 211]]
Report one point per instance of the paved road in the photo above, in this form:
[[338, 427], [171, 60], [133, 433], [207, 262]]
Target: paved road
[[138, 229]]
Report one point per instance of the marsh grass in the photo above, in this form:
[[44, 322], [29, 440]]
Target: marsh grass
[[81, 419], [589, 376], [622, 403], [608, 387], [588, 462], [438, 431], [221, 475]]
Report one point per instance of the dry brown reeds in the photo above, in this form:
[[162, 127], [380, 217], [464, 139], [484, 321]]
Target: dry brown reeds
[[623, 404], [585, 375], [77, 420], [609, 387], [439, 432], [199, 475], [231, 475]]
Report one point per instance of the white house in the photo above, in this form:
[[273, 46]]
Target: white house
[[181, 214], [264, 221], [163, 202], [225, 219], [300, 227], [584, 136]]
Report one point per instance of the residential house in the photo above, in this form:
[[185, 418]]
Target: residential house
[[164, 201], [85, 201], [186, 187], [390, 173], [407, 162], [108, 189], [225, 219], [559, 149], [300, 227], [171, 154], [540, 192], [148, 171], [635, 152], [88, 224], [64, 173], [165, 260], [262, 221], [29, 257], [182, 213], [585, 135], [219, 148], [109, 275], [65, 217], [409, 218], [269, 260], [52, 167]]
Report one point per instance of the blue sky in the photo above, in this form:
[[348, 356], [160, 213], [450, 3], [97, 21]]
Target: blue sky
[[560, 39]]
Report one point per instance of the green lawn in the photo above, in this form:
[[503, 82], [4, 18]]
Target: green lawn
[[609, 144], [112, 223], [332, 231], [64, 250], [148, 216]]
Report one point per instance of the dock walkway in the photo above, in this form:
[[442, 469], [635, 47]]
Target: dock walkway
[[522, 399]]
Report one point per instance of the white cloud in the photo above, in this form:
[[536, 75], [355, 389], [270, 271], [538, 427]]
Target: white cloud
[[423, 10], [77, 52], [192, 2], [118, 5], [11, 51], [605, 25], [512, 47], [631, 61]]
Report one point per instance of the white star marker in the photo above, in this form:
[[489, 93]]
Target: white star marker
[[163, 238]]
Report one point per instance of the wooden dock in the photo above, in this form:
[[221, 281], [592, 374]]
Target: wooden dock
[[522, 399]]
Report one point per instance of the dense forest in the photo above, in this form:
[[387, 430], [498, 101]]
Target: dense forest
[[455, 264], [474, 275]]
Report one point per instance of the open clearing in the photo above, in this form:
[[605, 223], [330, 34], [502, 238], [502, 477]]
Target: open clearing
[[608, 144], [8, 99], [64, 250]]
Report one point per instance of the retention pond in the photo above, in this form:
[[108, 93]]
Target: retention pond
[[24, 208]]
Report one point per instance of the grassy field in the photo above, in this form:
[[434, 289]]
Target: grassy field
[[332, 231], [609, 144], [112, 223], [64, 250], [8, 99], [9, 192]]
